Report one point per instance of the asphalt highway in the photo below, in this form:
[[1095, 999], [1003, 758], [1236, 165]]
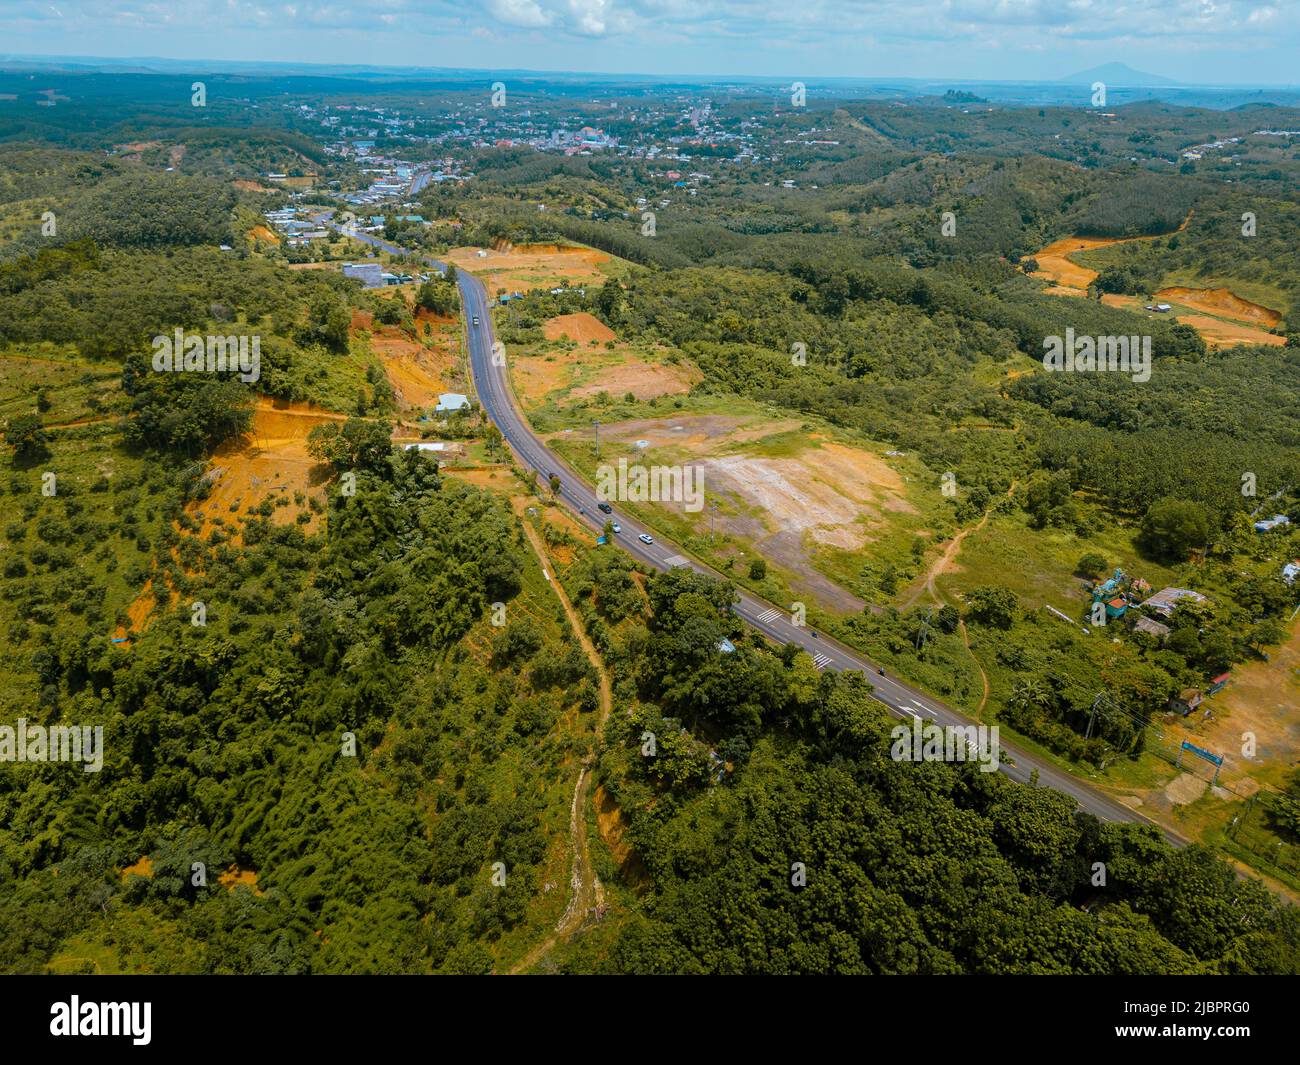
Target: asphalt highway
[[494, 394]]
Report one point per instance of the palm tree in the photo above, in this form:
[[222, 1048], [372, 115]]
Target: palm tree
[[1029, 693]]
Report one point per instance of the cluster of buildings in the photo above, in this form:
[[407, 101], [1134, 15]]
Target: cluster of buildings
[[1197, 151], [373, 275], [296, 226]]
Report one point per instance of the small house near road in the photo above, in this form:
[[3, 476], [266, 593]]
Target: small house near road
[[1186, 701], [371, 275], [451, 401]]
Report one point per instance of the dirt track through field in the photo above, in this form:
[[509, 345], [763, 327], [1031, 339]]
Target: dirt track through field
[[587, 893], [944, 564]]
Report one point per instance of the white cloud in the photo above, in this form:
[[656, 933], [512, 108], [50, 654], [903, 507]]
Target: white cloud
[[995, 37]]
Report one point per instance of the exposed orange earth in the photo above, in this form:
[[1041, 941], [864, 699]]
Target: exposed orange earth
[[144, 868], [528, 266], [581, 328], [537, 377], [234, 876], [645, 380], [1068, 277], [1221, 334], [1251, 320], [264, 234], [270, 459], [418, 374], [1221, 301], [1260, 698]]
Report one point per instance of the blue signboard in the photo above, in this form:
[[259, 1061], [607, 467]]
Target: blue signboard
[[1217, 759]]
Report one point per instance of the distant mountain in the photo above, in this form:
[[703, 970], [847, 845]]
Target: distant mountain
[[1120, 74]]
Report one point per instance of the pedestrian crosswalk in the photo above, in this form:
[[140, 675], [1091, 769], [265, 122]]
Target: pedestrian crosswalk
[[821, 661], [768, 616]]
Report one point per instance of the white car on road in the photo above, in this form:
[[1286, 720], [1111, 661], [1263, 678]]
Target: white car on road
[[645, 538]]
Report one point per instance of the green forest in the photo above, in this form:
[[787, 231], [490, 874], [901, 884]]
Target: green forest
[[343, 719]]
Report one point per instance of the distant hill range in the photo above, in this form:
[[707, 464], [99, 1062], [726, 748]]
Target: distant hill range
[[1116, 74]]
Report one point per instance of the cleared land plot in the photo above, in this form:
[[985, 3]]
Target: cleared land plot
[[529, 266], [1068, 277], [798, 498], [582, 328], [583, 359], [1222, 317], [421, 368], [270, 460]]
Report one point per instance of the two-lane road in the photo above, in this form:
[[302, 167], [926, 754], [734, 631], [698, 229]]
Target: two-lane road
[[905, 701]]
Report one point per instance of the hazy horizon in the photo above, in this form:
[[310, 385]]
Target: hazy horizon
[[1230, 43], [170, 63]]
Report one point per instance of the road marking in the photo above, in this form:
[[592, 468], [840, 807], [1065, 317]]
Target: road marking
[[675, 561], [821, 661], [769, 615]]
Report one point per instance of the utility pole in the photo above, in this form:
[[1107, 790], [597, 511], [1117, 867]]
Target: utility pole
[[713, 510], [1092, 714], [597, 441]]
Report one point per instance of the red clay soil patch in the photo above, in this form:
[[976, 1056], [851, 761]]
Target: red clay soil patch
[[613, 831], [581, 327], [1220, 334], [422, 315], [361, 320], [271, 459], [263, 234], [417, 374], [1223, 302], [536, 377], [234, 877], [530, 266], [493, 480], [144, 868], [1069, 277], [1262, 698], [138, 612], [244, 185], [645, 380]]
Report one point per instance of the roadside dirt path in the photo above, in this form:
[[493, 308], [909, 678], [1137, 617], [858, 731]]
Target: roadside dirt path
[[587, 893], [84, 421], [942, 565]]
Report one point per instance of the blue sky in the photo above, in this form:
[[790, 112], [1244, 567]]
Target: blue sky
[[1199, 41]]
